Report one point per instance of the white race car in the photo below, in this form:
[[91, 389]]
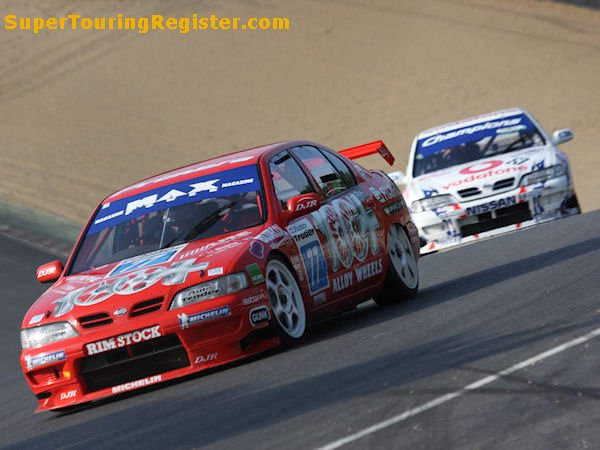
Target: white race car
[[484, 176]]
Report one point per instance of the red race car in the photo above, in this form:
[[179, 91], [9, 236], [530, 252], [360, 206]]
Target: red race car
[[214, 262]]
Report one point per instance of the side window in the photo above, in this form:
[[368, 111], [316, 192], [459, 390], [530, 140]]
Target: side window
[[288, 178], [328, 178], [342, 168]]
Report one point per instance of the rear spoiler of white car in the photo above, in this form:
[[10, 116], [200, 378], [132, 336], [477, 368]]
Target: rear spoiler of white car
[[369, 149]]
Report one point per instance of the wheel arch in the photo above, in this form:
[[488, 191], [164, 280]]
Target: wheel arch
[[306, 296]]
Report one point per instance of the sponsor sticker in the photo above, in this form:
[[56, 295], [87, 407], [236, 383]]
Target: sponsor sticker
[[369, 270], [481, 172], [179, 173], [146, 260], [343, 281], [271, 234], [474, 132], [202, 291], [45, 272], [306, 202], [349, 229], [202, 359], [491, 206], [127, 284], [313, 258], [481, 166], [320, 298], [68, 394], [257, 249], [274, 236], [215, 271], [445, 140], [44, 359], [123, 340], [254, 299], [385, 193], [136, 384], [393, 207], [228, 182], [259, 315], [186, 321], [255, 273], [36, 319]]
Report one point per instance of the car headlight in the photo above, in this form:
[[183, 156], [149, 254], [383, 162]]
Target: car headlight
[[437, 201], [539, 176], [46, 334], [210, 289]]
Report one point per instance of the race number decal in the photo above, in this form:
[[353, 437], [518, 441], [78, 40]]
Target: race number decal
[[338, 239], [350, 229], [352, 222], [313, 258]]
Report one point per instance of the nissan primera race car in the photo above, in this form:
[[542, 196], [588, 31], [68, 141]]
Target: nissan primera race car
[[215, 262], [486, 175]]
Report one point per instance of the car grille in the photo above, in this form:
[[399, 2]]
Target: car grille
[[495, 219], [44, 376], [470, 192], [503, 184], [500, 184], [126, 364], [95, 320], [146, 307]]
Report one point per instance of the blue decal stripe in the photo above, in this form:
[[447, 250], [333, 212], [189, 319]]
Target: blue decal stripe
[[220, 184]]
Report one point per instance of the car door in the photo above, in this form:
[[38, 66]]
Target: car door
[[349, 227], [290, 180]]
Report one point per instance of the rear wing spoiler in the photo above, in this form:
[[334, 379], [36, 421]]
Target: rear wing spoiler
[[369, 149]]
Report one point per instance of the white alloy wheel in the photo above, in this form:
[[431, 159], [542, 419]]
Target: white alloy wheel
[[286, 299], [402, 257]]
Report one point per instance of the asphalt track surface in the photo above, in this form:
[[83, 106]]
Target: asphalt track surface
[[482, 309]]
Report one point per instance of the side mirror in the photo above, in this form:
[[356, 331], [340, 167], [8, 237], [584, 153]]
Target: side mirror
[[49, 272], [302, 204], [562, 136]]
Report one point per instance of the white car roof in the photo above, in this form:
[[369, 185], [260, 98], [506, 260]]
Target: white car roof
[[470, 121]]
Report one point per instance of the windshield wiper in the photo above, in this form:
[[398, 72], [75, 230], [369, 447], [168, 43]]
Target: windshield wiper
[[200, 226]]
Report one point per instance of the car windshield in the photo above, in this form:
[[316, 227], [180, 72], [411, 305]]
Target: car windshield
[[181, 212], [482, 140]]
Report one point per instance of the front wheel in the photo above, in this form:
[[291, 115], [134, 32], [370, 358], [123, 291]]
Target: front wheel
[[402, 280], [287, 304]]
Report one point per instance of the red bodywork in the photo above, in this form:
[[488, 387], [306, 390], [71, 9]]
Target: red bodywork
[[128, 338]]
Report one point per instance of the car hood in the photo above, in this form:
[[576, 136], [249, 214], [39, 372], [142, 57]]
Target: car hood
[[120, 287], [484, 177]]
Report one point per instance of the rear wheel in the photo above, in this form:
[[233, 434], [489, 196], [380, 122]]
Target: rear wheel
[[402, 280], [287, 304], [572, 204]]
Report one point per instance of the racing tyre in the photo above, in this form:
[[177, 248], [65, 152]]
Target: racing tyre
[[573, 204], [287, 304], [402, 280]]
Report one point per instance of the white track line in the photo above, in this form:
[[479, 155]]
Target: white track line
[[452, 395]]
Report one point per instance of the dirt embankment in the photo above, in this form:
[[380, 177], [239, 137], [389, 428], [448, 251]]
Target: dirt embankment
[[85, 113]]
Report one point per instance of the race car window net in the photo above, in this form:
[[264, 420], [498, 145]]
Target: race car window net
[[328, 178], [478, 141], [288, 178], [189, 210]]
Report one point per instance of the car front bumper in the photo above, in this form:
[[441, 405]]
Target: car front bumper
[[170, 344], [510, 210]]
